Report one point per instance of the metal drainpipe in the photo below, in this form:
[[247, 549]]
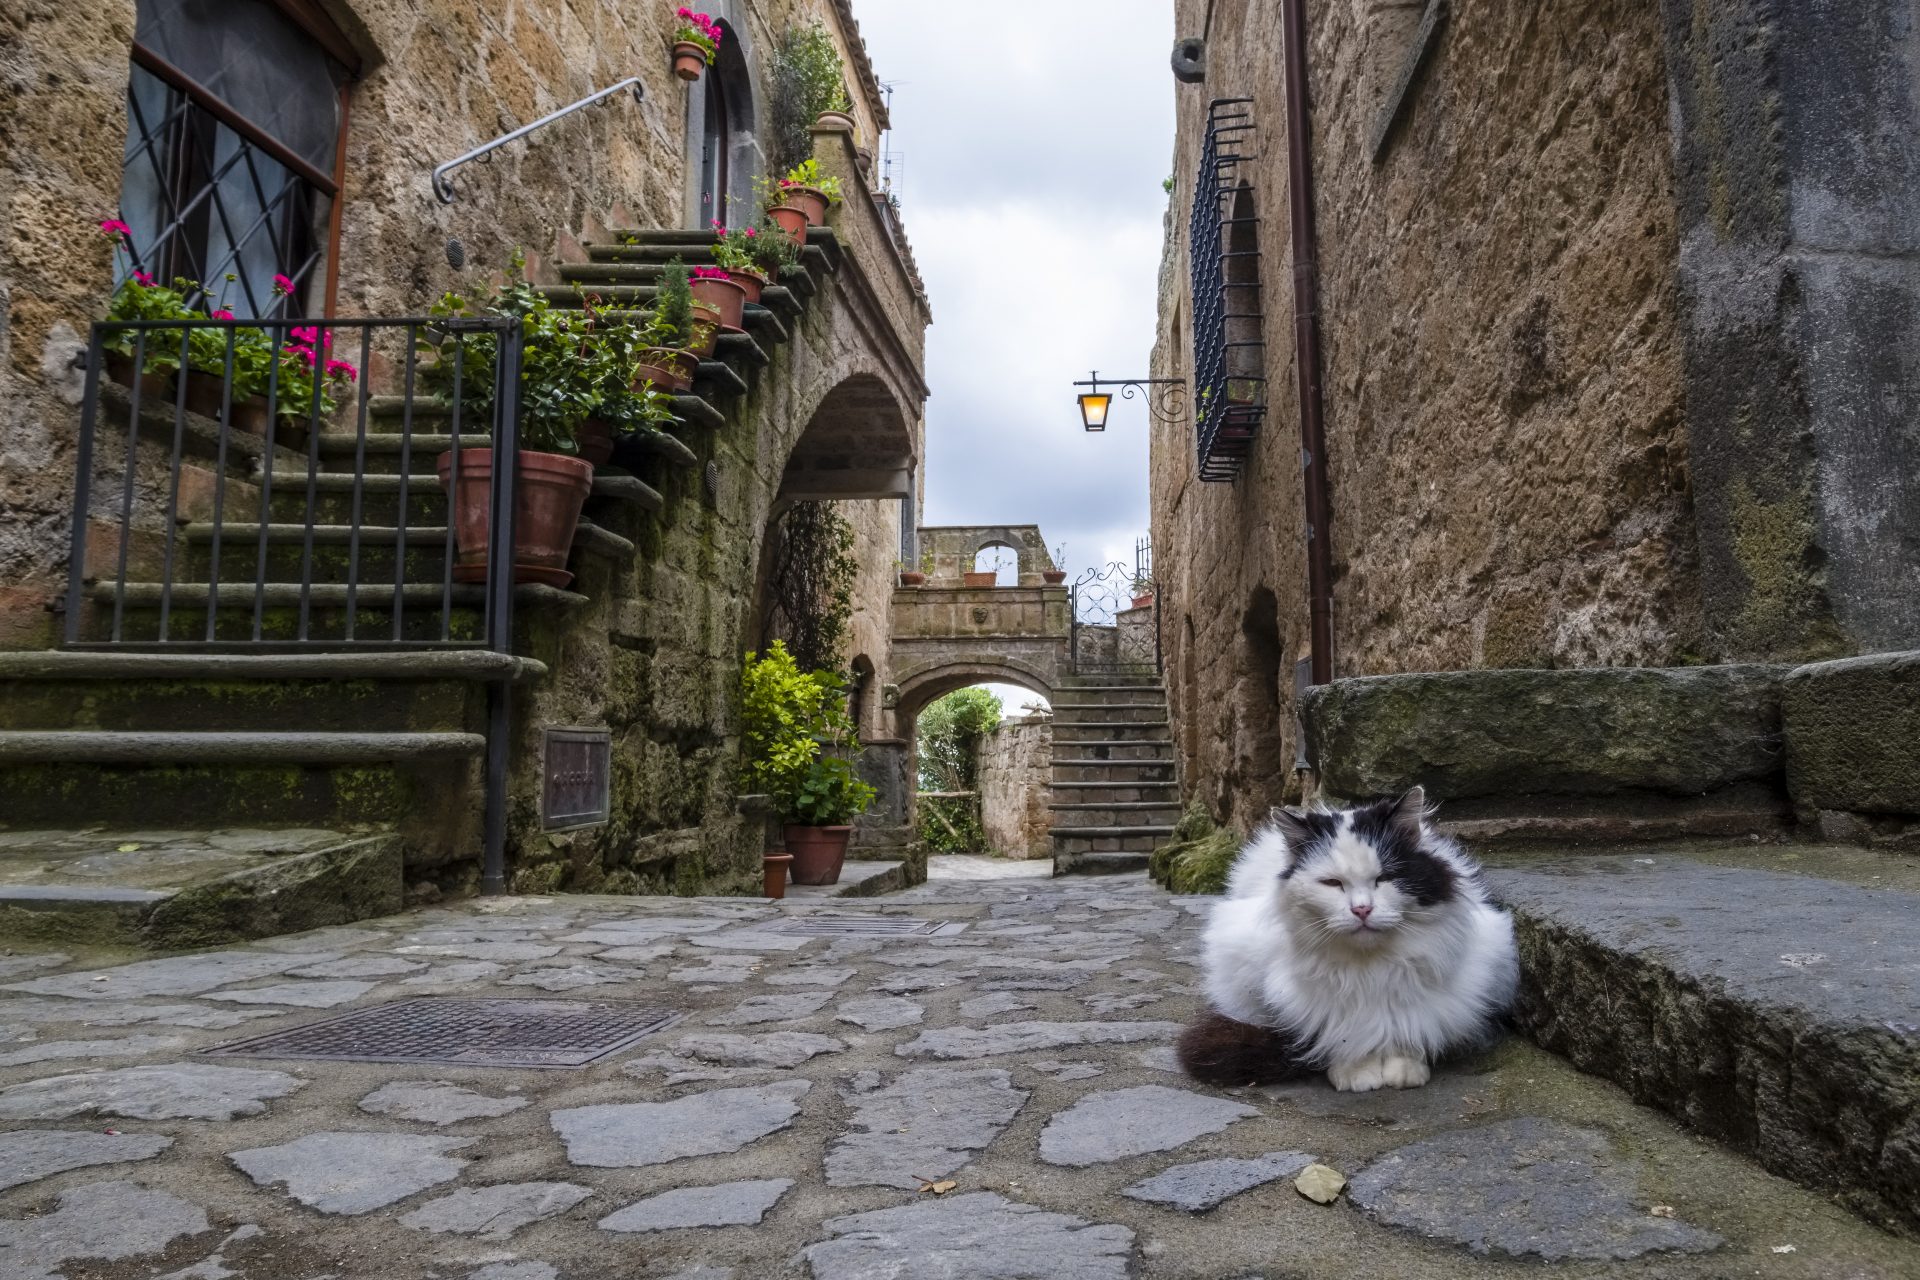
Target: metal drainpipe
[[1306, 338]]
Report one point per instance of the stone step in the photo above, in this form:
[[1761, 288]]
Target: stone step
[[1073, 844], [429, 691], [1106, 681], [1154, 713], [820, 252], [1124, 835], [1137, 814], [1130, 772], [1096, 752], [1100, 863], [421, 784], [1767, 996], [168, 890], [1125, 792], [389, 452], [1084, 700], [640, 270], [767, 320], [420, 606], [338, 552], [1077, 733], [333, 495]]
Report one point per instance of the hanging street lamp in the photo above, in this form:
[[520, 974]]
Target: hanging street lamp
[[1166, 401]]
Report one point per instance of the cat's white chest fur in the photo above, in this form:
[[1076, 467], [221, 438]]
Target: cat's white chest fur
[[1366, 938]]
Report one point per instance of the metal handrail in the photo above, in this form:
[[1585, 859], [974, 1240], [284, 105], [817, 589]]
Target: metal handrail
[[444, 188]]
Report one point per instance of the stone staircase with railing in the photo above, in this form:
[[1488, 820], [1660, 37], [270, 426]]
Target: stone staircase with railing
[[1114, 795], [172, 799]]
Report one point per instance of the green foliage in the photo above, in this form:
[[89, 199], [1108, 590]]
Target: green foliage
[[734, 249], [949, 733], [789, 718], [673, 307], [812, 583], [808, 78], [1199, 857], [138, 299], [951, 824], [807, 174]]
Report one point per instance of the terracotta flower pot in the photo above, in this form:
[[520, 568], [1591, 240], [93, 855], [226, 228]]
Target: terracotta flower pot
[[689, 61], [594, 439], [1053, 577], [911, 577], [809, 200], [835, 120], [986, 578], [662, 379], [818, 852], [205, 393], [550, 491], [706, 330], [792, 221], [1141, 602], [679, 364], [119, 368], [773, 874], [724, 295], [751, 283]]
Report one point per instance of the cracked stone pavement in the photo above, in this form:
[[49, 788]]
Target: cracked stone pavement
[[788, 1123]]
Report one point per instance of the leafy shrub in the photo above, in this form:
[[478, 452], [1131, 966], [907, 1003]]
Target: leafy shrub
[[789, 719]]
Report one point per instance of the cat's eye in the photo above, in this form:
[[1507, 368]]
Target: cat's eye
[[1331, 884]]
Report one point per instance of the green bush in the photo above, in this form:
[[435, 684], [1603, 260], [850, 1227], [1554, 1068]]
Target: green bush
[[949, 733], [789, 720], [1200, 856]]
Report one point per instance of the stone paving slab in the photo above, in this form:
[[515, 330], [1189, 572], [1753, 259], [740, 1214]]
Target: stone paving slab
[[810, 1147]]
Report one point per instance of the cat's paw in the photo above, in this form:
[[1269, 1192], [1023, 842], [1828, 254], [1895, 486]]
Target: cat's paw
[[1404, 1073], [1363, 1076]]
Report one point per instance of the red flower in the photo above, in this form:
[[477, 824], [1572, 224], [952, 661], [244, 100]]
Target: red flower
[[141, 277], [114, 228], [222, 315], [283, 286], [341, 369]]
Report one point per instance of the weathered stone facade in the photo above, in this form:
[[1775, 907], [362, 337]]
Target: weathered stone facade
[[1515, 358], [1016, 777], [655, 655]]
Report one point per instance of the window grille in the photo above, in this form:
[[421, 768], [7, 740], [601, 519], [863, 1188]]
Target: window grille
[[234, 124], [1229, 356]]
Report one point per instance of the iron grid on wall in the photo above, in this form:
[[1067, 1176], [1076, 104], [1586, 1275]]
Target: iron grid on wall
[[1223, 240]]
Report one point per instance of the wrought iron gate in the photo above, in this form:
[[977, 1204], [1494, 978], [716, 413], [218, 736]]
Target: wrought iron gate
[[1116, 625]]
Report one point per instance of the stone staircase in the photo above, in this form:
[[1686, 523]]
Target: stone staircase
[[1114, 795], [173, 799]]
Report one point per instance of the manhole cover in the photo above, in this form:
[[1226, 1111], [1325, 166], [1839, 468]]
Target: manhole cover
[[474, 1033], [863, 926]]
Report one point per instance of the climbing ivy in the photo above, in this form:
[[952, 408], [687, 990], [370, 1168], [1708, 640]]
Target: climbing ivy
[[812, 584]]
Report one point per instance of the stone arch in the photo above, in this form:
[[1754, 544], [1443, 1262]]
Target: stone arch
[[922, 687], [858, 442], [1007, 574]]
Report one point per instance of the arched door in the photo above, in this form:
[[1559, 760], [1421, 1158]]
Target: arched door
[[716, 146]]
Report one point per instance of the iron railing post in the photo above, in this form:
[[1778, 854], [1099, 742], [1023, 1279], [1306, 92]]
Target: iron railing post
[[500, 566], [83, 485]]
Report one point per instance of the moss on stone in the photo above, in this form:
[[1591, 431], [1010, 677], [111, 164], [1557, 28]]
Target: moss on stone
[[1784, 614], [1198, 859]]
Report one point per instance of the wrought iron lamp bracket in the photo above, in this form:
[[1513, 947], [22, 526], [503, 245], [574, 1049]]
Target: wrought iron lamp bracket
[[1165, 398]]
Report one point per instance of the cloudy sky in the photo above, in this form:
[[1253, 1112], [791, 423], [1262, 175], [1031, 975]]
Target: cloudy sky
[[1030, 145]]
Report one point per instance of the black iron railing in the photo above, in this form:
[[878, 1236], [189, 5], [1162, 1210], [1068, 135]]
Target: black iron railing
[[1108, 633], [1224, 248], [307, 515]]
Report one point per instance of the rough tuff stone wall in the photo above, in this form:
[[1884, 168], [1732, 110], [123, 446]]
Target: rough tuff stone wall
[[655, 654], [1016, 774], [1502, 376]]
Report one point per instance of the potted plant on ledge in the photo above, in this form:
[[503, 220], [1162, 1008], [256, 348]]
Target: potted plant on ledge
[[796, 734], [806, 189], [1142, 591], [695, 42]]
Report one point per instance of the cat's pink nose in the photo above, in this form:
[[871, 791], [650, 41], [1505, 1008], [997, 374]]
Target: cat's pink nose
[[1361, 909]]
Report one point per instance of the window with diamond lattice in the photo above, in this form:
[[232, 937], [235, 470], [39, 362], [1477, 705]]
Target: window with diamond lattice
[[235, 121], [1223, 240]]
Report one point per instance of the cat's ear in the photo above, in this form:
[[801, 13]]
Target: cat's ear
[[1410, 812], [1293, 825]]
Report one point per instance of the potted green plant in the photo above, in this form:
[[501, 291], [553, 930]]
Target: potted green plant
[[716, 287], [738, 254], [1055, 576], [675, 332], [805, 188], [1142, 591], [908, 577], [559, 388], [140, 297], [628, 405], [772, 251], [796, 734], [695, 42]]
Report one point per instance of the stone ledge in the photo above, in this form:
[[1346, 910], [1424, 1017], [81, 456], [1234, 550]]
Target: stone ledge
[[75, 664], [1685, 731], [1777, 1013], [115, 747], [1853, 734]]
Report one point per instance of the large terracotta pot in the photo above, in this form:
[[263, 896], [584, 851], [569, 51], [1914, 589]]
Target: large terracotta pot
[[809, 200], [792, 221], [594, 439], [678, 365], [818, 852], [1053, 577], [550, 491], [751, 283], [689, 61], [207, 391], [985, 578], [838, 120], [912, 577], [663, 379], [724, 296], [153, 386]]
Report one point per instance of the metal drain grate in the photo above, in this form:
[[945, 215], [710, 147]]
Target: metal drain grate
[[474, 1033], [862, 926]]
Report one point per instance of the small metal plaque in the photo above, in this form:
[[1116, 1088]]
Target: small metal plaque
[[863, 926], [465, 1032], [574, 768]]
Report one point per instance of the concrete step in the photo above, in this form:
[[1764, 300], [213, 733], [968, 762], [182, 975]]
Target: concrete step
[[1106, 863], [426, 614], [1767, 996], [167, 890], [370, 692], [422, 784]]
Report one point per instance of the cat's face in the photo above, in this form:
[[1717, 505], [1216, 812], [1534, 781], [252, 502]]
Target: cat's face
[[1359, 876]]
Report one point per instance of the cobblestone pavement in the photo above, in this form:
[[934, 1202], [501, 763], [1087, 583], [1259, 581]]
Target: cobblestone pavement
[[982, 1103]]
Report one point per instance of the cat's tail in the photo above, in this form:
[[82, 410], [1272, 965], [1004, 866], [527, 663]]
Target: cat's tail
[[1218, 1050]]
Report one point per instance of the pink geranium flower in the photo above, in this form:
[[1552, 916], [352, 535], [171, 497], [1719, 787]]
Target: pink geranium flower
[[141, 277], [283, 286], [341, 369], [222, 315], [114, 228]]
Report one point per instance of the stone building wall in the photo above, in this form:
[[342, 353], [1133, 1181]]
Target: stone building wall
[[1502, 373], [656, 655], [1016, 774]]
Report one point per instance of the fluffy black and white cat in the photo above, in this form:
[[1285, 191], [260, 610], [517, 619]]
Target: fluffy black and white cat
[[1358, 942]]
